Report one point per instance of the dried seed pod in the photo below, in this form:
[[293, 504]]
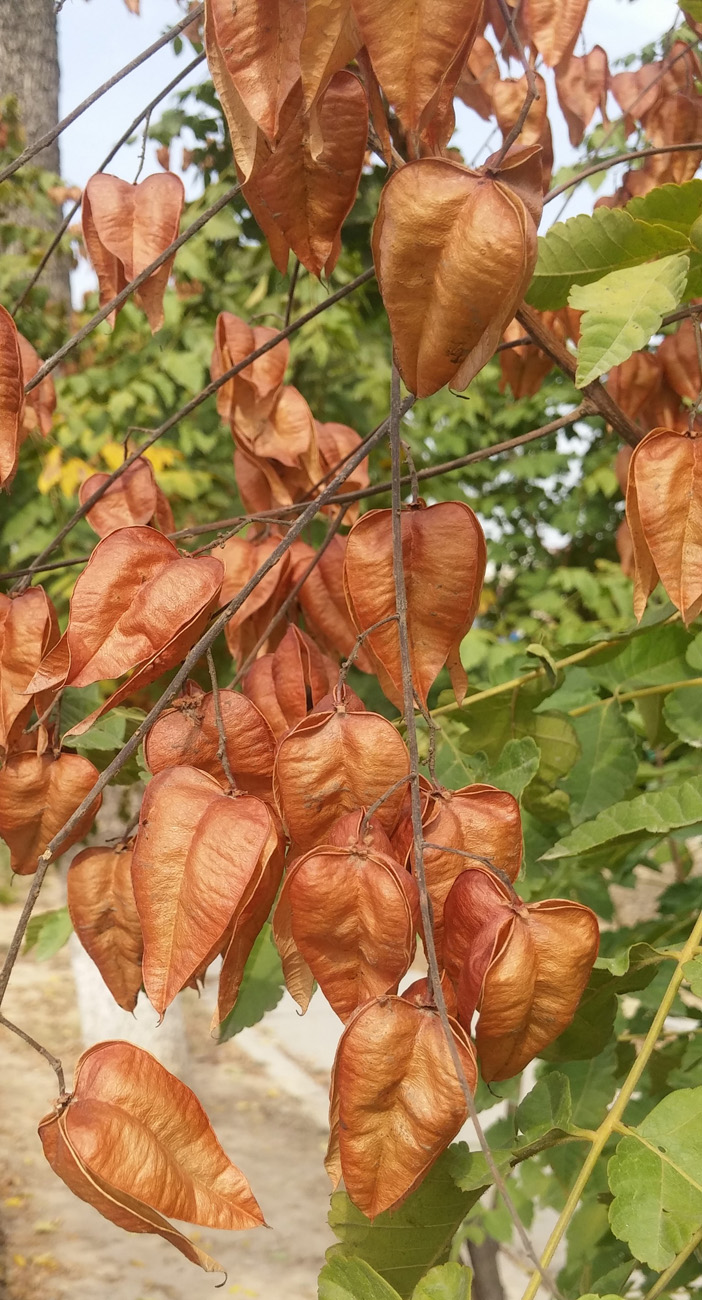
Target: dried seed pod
[[417, 53], [28, 630], [137, 604], [103, 910], [354, 915], [664, 513], [242, 557], [127, 1121], [11, 397], [454, 251], [187, 734], [197, 859], [125, 228], [395, 1102], [523, 967], [442, 597], [38, 794], [335, 762], [479, 820], [134, 498], [285, 685]]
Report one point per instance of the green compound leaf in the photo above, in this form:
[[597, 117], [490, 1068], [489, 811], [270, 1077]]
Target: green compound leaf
[[623, 310], [657, 812], [447, 1282], [586, 248], [607, 766], [261, 987], [657, 1206], [352, 1279], [402, 1244]]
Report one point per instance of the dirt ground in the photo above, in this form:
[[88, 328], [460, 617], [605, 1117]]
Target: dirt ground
[[57, 1246]]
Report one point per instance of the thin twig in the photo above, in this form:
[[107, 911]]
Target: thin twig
[[43, 1051], [291, 291], [476, 857], [142, 152], [434, 975], [192, 658], [431, 471], [105, 163], [349, 662], [411, 471], [217, 703], [631, 156], [378, 803], [193, 404], [532, 91], [694, 410], [75, 113]]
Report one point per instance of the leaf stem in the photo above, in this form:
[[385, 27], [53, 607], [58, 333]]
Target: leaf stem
[[642, 693]]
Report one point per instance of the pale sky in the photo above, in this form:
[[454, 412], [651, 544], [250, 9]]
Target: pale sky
[[97, 37]]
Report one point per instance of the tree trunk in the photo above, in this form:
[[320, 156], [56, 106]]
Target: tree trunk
[[29, 70], [487, 1284]]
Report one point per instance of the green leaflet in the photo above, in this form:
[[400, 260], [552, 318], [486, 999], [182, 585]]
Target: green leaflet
[[352, 1279], [446, 1282], [607, 766], [594, 1296], [682, 710], [657, 1204], [694, 652], [592, 1086], [47, 933], [675, 206], [693, 974], [548, 1106], [261, 987], [657, 812], [493, 722], [623, 310], [585, 248], [469, 1169], [402, 1244]]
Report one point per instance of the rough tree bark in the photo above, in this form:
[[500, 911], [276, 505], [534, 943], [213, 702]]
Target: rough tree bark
[[29, 69]]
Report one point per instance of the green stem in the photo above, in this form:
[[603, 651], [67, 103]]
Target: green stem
[[514, 682], [577, 658], [667, 1277], [636, 695], [613, 1116]]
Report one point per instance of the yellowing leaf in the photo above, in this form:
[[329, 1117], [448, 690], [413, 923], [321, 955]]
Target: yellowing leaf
[[622, 311]]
